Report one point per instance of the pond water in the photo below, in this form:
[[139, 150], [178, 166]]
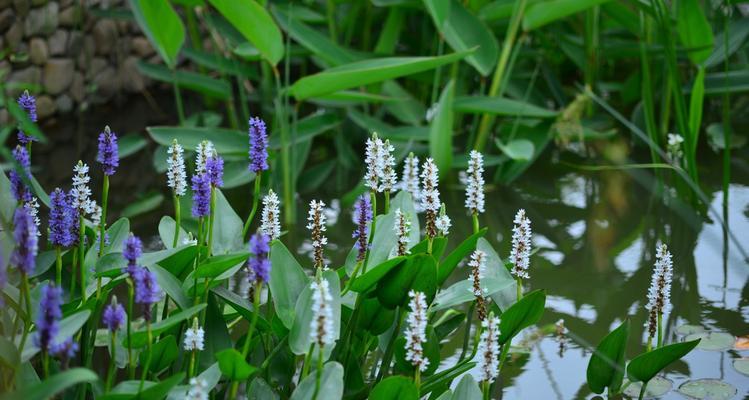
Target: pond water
[[595, 232]]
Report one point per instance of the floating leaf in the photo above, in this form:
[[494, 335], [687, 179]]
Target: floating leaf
[[518, 149], [742, 365], [656, 388], [712, 389], [713, 341], [687, 329], [606, 366]]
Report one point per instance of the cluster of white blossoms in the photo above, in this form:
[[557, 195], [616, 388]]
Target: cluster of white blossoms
[[321, 326], [316, 224], [416, 331], [410, 180], [32, 207], [402, 228], [478, 269], [475, 183], [194, 337], [520, 254], [488, 350], [198, 389], [443, 222], [388, 179], [203, 152], [269, 221], [175, 171], [430, 195], [659, 294], [80, 192], [675, 142], [375, 161]]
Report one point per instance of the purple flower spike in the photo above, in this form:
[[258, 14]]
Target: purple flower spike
[[147, 291], [60, 219], [27, 102], [108, 155], [258, 145], [48, 319], [201, 195], [25, 236], [362, 216], [64, 350], [215, 169], [260, 264], [131, 252], [17, 187], [114, 316]]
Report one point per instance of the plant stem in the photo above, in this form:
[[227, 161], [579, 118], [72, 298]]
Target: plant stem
[[475, 217], [417, 379], [82, 256], [520, 287], [102, 227], [148, 358], [58, 267], [211, 219], [387, 201], [177, 219], [385, 364], [318, 373], [112, 362], [503, 354], [45, 363], [178, 98], [660, 329], [250, 331], [25, 291], [130, 295], [255, 201], [195, 263], [485, 389], [642, 390]]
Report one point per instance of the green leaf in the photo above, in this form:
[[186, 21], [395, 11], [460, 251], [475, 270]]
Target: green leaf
[[500, 106], [53, 385], [7, 202], [463, 31], [362, 73], [708, 389], [606, 366], [227, 228], [255, 24], [171, 285], [451, 261], [645, 366], [217, 88], [404, 106], [431, 350], [287, 281], [395, 388], [717, 137], [542, 13], [147, 203], [331, 384], [164, 352], [738, 31], [742, 365], [713, 341], [140, 338], [657, 387], [233, 365], [160, 389], [69, 326], [163, 27], [419, 272], [217, 265], [375, 318], [518, 149], [241, 305], [506, 294], [299, 337], [131, 144], [226, 141], [441, 130], [368, 280], [467, 389], [696, 99], [217, 62], [9, 356], [694, 30], [167, 225], [526, 312], [461, 292]]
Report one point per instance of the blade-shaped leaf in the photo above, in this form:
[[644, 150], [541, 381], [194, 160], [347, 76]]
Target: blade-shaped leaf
[[606, 366], [395, 388], [441, 130], [645, 366], [500, 106], [162, 25], [54, 384], [233, 365], [255, 24], [331, 384], [545, 12], [526, 312], [287, 281]]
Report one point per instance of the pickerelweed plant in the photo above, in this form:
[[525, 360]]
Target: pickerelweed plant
[[210, 315]]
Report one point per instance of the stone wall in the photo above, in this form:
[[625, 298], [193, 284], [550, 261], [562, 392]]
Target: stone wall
[[68, 54]]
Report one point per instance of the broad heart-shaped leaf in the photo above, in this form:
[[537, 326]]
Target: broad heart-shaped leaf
[[419, 273], [9, 356], [163, 353], [53, 385], [606, 366], [505, 294], [518, 149], [708, 389], [217, 265], [299, 337], [375, 318], [694, 30], [462, 30], [368, 281], [461, 292], [331, 384], [361, 73], [69, 326], [447, 266], [645, 366], [233, 365], [162, 25], [287, 281], [255, 24], [167, 225], [441, 130], [160, 389], [395, 388], [140, 338], [117, 233], [227, 229], [467, 389], [384, 241], [526, 312], [500, 106], [542, 13]]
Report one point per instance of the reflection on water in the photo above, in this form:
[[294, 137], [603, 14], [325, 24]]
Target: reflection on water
[[596, 235]]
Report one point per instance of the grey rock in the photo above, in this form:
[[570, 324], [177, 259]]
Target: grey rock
[[22, 7], [84, 55], [78, 88], [42, 20], [97, 65], [142, 47], [7, 16], [65, 3], [38, 52], [74, 43], [131, 79], [28, 76], [45, 106], [64, 104], [70, 16], [105, 36], [106, 84], [58, 42], [36, 3], [5, 3], [58, 75], [14, 35]]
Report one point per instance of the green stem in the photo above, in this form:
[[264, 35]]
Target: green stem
[[112, 362], [318, 373], [178, 98], [330, 11], [660, 330], [73, 272], [387, 201], [485, 389], [148, 358], [58, 266], [642, 391], [177, 220], [195, 263], [503, 354], [211, 219], [353, 276], [102, 227], [130, 361], [82, 256], [45, 363], [385, 364], [372, 225], [27, 300], [255, 201], [250, 331], [475, 223], [417, 379]]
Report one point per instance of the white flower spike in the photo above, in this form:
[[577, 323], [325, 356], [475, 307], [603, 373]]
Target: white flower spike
[[270, 224], [175, 171], [416, 331]]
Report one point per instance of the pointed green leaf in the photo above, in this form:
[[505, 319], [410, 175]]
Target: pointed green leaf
[[395, 388], [287, 281], [255, 24], [441, 130], [233, 365], [606, 366], [162, 26], [645, 366], [331, 384], [526, 312], [500, 106], [54, 385]]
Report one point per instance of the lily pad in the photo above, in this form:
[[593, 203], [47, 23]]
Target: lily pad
[[688, 329], [713, 341], [713, 389], [742, 365], [657, 387]]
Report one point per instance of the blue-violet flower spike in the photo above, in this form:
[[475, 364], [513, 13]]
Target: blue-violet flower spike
[[108, 156]]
